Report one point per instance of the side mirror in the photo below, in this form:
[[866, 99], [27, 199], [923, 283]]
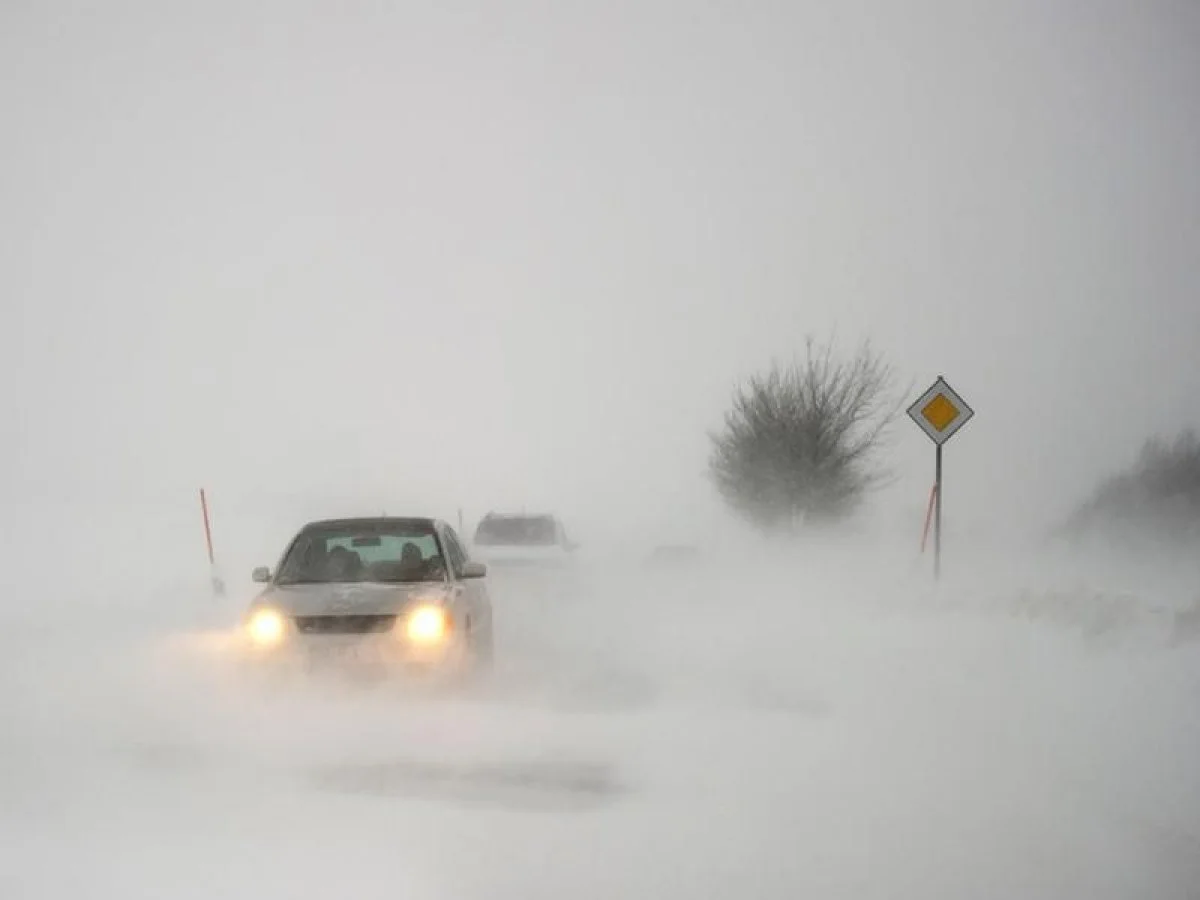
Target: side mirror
[[474, 570], [261, 575]]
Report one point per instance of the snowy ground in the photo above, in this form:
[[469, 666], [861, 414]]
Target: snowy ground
[[707, 734]]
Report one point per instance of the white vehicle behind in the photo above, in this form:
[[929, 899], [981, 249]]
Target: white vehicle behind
[[522, 539]]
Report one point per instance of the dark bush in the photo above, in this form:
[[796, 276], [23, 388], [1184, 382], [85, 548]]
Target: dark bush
[[1156, 499], [801, 441]]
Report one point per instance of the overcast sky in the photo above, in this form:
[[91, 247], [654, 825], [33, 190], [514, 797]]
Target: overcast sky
[[492, 254]]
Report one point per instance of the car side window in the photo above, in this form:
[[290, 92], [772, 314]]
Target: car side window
[[454, 549]]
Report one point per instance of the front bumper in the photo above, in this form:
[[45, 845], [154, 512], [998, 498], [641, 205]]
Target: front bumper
[[305, 646]]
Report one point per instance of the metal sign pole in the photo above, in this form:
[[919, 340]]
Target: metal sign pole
[[937, 515]]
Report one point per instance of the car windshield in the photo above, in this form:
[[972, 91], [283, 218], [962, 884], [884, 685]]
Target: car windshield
[[522, 531], [390, 553]]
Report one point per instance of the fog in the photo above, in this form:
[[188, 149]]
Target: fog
[[441, 259]]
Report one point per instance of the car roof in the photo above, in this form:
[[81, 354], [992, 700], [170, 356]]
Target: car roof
[[357, 521], [520, 515]]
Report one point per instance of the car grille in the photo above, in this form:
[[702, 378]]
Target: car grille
[[359, 624]]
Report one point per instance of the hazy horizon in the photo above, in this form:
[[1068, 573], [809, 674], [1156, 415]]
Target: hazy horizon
[[492, 259]]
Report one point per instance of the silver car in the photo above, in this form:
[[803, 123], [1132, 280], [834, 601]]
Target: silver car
[[385, 592]]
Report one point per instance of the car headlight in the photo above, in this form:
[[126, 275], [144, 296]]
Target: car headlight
[[266, 627], [427, 625]]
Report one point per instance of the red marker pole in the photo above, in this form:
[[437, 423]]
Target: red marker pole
[[207, 526], [217, 585]]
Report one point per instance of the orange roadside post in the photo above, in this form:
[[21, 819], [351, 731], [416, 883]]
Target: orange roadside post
[[928, 517], [218, 585]]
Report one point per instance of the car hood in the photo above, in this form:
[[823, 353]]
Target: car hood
[[345, 599]]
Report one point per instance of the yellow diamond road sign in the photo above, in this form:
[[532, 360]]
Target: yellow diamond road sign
[[940, 412]]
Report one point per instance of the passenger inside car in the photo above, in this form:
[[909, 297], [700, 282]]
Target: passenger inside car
[[412, 566], [343, 565]]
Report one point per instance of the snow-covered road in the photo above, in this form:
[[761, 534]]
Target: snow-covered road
[[667, 737]]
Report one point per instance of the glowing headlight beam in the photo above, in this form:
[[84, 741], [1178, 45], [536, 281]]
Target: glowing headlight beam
[[266, 627], [427, 625]]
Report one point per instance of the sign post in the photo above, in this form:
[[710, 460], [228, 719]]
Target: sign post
[[940, 412]]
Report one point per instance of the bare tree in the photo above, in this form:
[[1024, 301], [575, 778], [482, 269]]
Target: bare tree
[[800, 442]]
